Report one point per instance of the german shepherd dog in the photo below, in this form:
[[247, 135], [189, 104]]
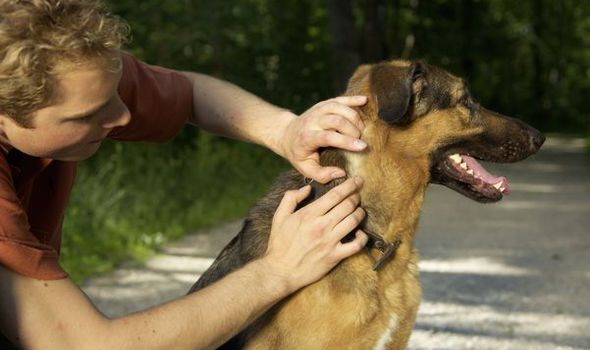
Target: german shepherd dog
[[422, 126]]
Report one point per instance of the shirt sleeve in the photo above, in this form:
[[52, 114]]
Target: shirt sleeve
[[160, 101], [21, 250]]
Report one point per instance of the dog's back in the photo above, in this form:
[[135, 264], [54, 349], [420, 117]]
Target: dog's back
[[251, 242]]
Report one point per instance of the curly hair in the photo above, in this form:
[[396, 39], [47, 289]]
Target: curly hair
[[37, 37]]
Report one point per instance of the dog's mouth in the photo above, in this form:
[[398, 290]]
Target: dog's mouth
[[463, 173]]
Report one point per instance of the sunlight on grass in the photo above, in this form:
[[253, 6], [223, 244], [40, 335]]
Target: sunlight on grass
[[132, 198]]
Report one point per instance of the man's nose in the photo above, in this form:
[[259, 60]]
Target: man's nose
[[121, 118]]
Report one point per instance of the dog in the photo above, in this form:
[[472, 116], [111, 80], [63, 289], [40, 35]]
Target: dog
[[422, 126]]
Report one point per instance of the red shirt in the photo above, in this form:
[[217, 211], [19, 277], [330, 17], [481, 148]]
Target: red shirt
[[34, 192]]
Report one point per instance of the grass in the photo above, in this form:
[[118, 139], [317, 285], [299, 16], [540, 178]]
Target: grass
[[132, 198]]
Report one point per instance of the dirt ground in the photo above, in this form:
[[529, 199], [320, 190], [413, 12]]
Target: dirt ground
[[510, 275]]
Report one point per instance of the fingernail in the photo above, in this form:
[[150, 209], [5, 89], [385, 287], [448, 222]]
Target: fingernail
[[338, 174], [358, 180], [363, 235], [359, 144], [361, 98]]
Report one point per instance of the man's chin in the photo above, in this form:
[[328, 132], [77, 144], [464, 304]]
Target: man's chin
[[72, 158], [77, 156]]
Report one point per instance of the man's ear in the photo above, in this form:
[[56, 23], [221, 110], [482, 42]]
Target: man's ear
[[2, 128], [391, 86], [2, 120]]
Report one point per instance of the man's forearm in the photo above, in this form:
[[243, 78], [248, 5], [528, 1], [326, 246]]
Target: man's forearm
[[210, 316], [224, 108], [57, 315]]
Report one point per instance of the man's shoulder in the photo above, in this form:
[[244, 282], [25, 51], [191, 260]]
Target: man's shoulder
[[159, 99]]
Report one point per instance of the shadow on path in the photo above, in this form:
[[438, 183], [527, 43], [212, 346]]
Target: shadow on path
[[510, 275]]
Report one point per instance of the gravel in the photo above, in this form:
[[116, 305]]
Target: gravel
[[510, 275]]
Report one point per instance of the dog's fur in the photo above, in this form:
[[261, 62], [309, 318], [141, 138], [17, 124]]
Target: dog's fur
[[417, 115]]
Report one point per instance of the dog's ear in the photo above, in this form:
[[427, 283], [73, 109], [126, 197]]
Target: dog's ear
[[355, 83], [391, 86]]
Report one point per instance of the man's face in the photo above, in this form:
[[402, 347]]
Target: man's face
[[87, 107]]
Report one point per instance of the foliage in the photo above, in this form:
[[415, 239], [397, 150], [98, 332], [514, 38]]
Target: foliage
[[132, 198], [528, 58]]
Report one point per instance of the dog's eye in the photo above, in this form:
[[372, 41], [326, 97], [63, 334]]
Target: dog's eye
[[468, 103], [464, 101]]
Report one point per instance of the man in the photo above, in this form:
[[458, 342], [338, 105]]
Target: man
[[65, 87]]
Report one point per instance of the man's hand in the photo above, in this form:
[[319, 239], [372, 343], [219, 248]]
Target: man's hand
[[223, 108], [305, 244], [331, 123]]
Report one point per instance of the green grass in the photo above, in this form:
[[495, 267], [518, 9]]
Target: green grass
[[132, 198]]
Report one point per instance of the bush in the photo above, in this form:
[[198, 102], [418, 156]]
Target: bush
[[131, 198]]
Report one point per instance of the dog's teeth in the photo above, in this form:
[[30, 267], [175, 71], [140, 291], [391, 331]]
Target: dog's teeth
[[498, 185], [502, 189], [470, 172], [456, 158], [463, 165]]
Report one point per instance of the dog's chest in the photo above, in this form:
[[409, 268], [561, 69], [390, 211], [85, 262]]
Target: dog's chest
[[386, 336]]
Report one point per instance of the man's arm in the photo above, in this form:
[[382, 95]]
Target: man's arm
[[304, 245], [224, 108], [58, 315]]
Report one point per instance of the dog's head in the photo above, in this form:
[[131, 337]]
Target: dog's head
[[423, 119]]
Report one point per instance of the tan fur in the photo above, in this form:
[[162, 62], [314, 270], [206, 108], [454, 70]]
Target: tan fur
[[352, 306]]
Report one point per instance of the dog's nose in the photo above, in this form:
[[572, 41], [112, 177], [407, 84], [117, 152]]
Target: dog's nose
[[537, 140]]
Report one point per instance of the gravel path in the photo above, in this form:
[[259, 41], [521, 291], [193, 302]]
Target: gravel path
[[511, 275]]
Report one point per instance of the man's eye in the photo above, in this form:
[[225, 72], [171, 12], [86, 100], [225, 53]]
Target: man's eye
[[85, 118]]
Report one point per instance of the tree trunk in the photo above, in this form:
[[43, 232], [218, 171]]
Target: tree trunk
[[344, 42], [395, 36], [374, 44], [540, 112], [467, 16]]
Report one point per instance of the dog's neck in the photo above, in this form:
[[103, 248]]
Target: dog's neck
[[391, 198]]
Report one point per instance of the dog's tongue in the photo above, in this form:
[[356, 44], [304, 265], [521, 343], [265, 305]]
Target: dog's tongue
[[483, 173]]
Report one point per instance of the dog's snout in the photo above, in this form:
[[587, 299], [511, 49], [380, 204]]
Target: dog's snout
[[537, 140]]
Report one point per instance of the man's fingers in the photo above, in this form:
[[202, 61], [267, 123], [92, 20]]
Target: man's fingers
[[344, 209], [352, 101], [337, 140], [336, 195], [290, 201], [334, 107], [344, 250], [340, 124], [347, 225], [314, 170]]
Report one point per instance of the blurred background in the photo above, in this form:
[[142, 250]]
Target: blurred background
[[529, 59]]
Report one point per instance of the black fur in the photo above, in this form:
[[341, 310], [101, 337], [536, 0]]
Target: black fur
[[392, 87]]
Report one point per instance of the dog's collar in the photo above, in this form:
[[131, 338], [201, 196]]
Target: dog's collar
[[387, 249], [376, 241]]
